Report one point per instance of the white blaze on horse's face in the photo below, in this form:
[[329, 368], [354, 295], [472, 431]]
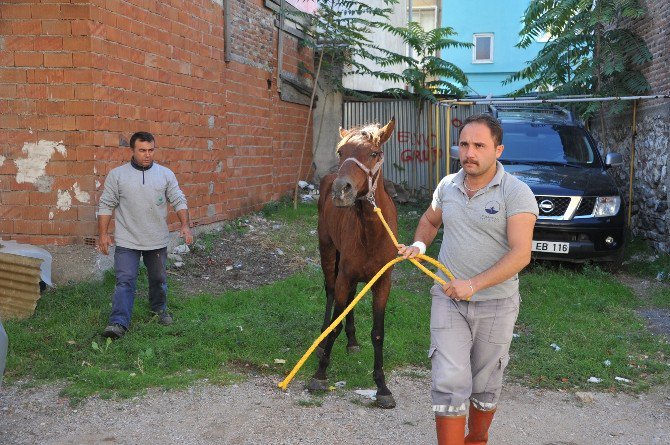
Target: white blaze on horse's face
[[361, 159]]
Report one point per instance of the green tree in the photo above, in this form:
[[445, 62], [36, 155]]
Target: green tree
[[592, 50], [340, 33], [427, 74]]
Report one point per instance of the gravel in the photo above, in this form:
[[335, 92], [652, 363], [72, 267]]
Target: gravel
[[256, 412]]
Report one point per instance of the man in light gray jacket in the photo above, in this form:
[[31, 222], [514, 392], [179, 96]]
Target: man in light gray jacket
[[138, 194]]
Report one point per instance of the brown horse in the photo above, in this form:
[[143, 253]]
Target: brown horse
[[354, 245]]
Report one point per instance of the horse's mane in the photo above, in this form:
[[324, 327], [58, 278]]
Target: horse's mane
[[368, 134]]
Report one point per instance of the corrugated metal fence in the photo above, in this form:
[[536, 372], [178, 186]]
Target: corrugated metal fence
[[417, 155]]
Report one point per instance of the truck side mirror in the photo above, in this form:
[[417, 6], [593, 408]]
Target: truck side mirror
[[613, 160]]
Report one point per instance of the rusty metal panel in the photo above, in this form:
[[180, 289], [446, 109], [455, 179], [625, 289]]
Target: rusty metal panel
[[411, 157], [19, 285], [401, 165]]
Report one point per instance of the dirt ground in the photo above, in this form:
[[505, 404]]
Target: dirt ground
[[256, 412]]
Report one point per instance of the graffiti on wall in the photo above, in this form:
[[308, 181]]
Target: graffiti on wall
[[419, 147]]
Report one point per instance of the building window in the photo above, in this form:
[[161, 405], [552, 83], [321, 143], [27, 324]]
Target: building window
[[482, 52]]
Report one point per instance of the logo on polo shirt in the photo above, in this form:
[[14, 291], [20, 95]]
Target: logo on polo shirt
[[492, 207]]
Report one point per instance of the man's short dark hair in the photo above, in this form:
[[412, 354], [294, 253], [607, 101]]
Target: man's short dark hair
[[142, 136], [489, 121]]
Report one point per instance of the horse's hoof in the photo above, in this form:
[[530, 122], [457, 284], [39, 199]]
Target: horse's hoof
[[386, 402], [355, 349], [316, 385], [319, 352]]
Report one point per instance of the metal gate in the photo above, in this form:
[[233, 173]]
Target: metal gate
[[417, 156]]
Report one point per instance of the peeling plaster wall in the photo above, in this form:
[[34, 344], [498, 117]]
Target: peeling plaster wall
[[32, 168], [77, 81]]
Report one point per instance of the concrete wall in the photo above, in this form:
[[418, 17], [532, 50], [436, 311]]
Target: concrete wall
[[77, 79], [385, 40]]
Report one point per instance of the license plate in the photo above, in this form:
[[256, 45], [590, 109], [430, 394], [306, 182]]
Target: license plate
[[550, 246]]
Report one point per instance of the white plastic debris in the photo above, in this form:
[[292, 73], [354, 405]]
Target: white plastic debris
[[174, 257], [279, 251], [369, 393], [607, 363], [307, 198], [28, 250], [515, 335], [340, 384], [178, 264], [280, 361], [660, 276], [303, 184], [181, 249], [229, 268], [312, 232], [555, 346], [621, 379], [594, 380]]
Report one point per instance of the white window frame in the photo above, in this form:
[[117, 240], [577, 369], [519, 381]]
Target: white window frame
[[474, 48]]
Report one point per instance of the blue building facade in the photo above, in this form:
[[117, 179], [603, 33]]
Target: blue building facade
[[493, 26]]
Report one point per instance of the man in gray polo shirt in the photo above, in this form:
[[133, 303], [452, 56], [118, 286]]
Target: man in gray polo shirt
[[488, 218], [138, 194]]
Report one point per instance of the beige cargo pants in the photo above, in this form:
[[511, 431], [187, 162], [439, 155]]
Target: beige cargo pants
[[469, 350]]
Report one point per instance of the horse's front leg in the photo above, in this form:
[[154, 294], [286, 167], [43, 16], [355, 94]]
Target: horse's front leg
[[381, 291], [350, 326], [319, 380]]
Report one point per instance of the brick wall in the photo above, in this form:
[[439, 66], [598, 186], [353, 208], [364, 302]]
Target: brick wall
[[655, 30], [77, 78]]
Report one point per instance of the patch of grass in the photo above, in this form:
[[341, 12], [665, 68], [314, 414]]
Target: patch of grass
[[642, 261], [660, 297], [219, 337], [591, 317], [312, 402]]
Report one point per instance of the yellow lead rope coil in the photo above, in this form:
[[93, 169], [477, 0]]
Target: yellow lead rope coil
[[363, 291]]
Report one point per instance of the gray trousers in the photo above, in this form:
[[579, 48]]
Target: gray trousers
[[469, 350]]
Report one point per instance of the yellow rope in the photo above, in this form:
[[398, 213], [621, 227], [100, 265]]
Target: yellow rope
[[367, 287]]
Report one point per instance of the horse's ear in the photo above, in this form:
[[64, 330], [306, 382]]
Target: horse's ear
[[386, 132], [343, 133]]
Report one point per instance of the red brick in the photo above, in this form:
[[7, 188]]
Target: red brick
[[6, 58], [75, 11], [62, 123], [78, 75], [57, 59], [30, 27], [28, 59], [46, 11], [19, 43], [48, 43], [15, 11], [23, 227], [79, 43], [6, 228], [56, 27]]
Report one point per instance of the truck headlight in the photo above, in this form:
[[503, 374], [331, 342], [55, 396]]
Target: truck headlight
[[607, 206]]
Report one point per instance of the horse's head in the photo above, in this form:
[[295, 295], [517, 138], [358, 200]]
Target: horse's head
[[361, 158]]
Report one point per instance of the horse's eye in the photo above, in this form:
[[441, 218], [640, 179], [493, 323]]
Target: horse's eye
[[374, 154]]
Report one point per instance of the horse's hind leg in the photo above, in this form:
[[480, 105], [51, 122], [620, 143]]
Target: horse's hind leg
[[319, 380], [381, 291], [330, 258], [350, 327]]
